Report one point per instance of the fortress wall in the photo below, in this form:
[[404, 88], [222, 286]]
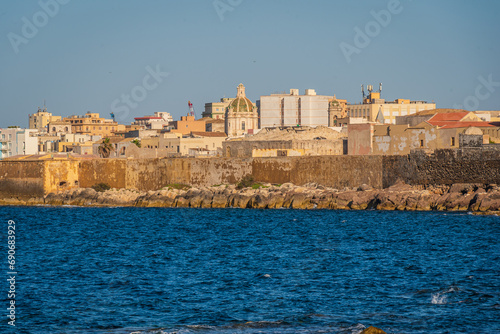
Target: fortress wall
[[207, 172], [154, 174], [61, 175], [38, 178], [338, 171], [22, 178], [110, 171], [446, 166]]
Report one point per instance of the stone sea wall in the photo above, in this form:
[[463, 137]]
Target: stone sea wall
[[24, 178], [479, 198]]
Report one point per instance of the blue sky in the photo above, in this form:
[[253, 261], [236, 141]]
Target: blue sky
[[86, 54]]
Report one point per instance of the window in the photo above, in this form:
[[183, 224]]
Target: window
[[452, 141], [243, 125], [421, 143]]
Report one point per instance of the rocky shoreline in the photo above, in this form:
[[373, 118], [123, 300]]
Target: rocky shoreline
[[476, 198]]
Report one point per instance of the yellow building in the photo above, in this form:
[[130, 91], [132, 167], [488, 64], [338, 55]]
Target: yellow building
[[375, 109], [217, 110], [94, 125], [41, 118], [188, 124]]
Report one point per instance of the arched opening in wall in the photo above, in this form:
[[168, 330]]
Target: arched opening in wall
[[66, 129], [54, 129], [76, 182]]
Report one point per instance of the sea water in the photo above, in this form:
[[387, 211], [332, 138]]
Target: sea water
[[136, 270]]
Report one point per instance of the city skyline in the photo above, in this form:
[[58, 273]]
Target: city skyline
[[81, 57]]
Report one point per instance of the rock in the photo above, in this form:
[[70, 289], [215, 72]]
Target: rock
[[464, 188], [181, 202], [362, 200], [259, 201], [219, 201], [400, 186], [373, 330], [301, 201], [343, 200], [365, 187], [240, 201], [275, 201]]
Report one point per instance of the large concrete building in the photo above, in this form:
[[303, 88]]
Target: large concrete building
[[41, 119], [375, 109], [17, 141], [94, 125], [280, 110], [241, 115]]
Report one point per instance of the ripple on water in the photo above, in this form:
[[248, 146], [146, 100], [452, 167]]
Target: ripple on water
[[145, 270]]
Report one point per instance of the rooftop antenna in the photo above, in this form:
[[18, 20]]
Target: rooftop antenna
[[363, 91], [380, 89], [44, 107]]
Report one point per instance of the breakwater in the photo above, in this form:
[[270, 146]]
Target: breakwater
[[403, 197]]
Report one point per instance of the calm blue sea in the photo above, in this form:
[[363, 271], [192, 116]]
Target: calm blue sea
[[135, 270]]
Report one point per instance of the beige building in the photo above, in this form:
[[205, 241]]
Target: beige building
[[289, 141], [376, 109], [158, 121], [188, 124], [176, 143], [41, 118], [443, 130], [58, 128], [241, 115], [217, 110], [94, 125]]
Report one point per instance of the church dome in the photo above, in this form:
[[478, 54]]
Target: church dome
[[241, 103]]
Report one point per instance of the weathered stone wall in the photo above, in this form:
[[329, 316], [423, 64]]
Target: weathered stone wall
[[446, 166], [21, 178], [332, 171], [110, 171], [449, 166], [208, 172], [61, 175]]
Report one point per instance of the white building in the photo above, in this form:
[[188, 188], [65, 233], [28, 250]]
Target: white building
[[17, 141], [156, 122], [294, 109]]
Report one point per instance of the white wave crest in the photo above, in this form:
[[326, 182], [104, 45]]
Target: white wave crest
[[438, 298]]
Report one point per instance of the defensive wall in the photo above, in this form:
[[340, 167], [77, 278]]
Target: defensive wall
[[35, 178]]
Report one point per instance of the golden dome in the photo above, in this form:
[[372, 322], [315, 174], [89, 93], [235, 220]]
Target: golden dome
[[241, 103]]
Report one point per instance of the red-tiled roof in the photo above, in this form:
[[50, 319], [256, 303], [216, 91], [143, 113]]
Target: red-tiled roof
[[446, 117], [451, 125]]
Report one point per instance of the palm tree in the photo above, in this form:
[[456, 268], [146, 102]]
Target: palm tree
[[105, 148]]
